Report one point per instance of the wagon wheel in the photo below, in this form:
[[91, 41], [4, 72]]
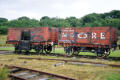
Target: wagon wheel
[[48, 49], [76, 51], [106, 53], [68, 51], [37, 49], [40, 49], [99, 55], [27, 52], [17, 50]]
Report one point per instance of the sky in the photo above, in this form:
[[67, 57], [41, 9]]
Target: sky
[[12, 9]]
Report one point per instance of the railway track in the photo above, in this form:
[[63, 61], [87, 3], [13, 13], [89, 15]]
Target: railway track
[[79, 56], [5, 52], [83, 56], [21, 73], [74, 61], [63, 55]]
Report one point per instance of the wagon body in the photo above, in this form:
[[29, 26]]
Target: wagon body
[[88, 37], [41, 35]]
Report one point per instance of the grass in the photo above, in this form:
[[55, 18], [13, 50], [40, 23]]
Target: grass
[[113, 76], [85, 72], [3, 39], [8, 48], [115, 54], [3, 74]]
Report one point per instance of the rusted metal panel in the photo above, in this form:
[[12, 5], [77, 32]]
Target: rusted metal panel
[[38, 35], [53, 34], [13, 34], [88, 36], [114, 36]]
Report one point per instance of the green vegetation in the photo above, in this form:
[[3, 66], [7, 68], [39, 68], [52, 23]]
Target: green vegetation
[[3, 39], [115, 54], [111, 18], [3, 74], [113, 76], [7, 48]]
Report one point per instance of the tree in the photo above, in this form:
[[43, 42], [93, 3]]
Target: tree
[[24, 18], [92, 20], [24, 22], [44, 21], [73, 21], [14, 23], [3, 29], [112, 14], [34, 23], [57, 22], [3, 21]]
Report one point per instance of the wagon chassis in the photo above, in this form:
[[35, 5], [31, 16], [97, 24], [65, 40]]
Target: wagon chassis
[[39, 48]]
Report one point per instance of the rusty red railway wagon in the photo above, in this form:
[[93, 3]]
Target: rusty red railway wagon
[[40, 39], [94, 39]]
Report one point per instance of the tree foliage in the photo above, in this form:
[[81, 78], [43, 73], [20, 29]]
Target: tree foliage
[[24, 22], [111, 18]]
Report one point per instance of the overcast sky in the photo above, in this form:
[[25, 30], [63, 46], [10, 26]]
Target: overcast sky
[[13, 9]]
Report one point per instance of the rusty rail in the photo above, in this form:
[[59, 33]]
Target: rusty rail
[[16, 72], [5, 52], [78, 56], [112, 65]]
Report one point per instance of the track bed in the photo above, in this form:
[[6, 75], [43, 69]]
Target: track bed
[[20, 73]]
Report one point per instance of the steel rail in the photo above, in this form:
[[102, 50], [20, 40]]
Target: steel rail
[[113, 65], [77, 56], [12, 75]]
